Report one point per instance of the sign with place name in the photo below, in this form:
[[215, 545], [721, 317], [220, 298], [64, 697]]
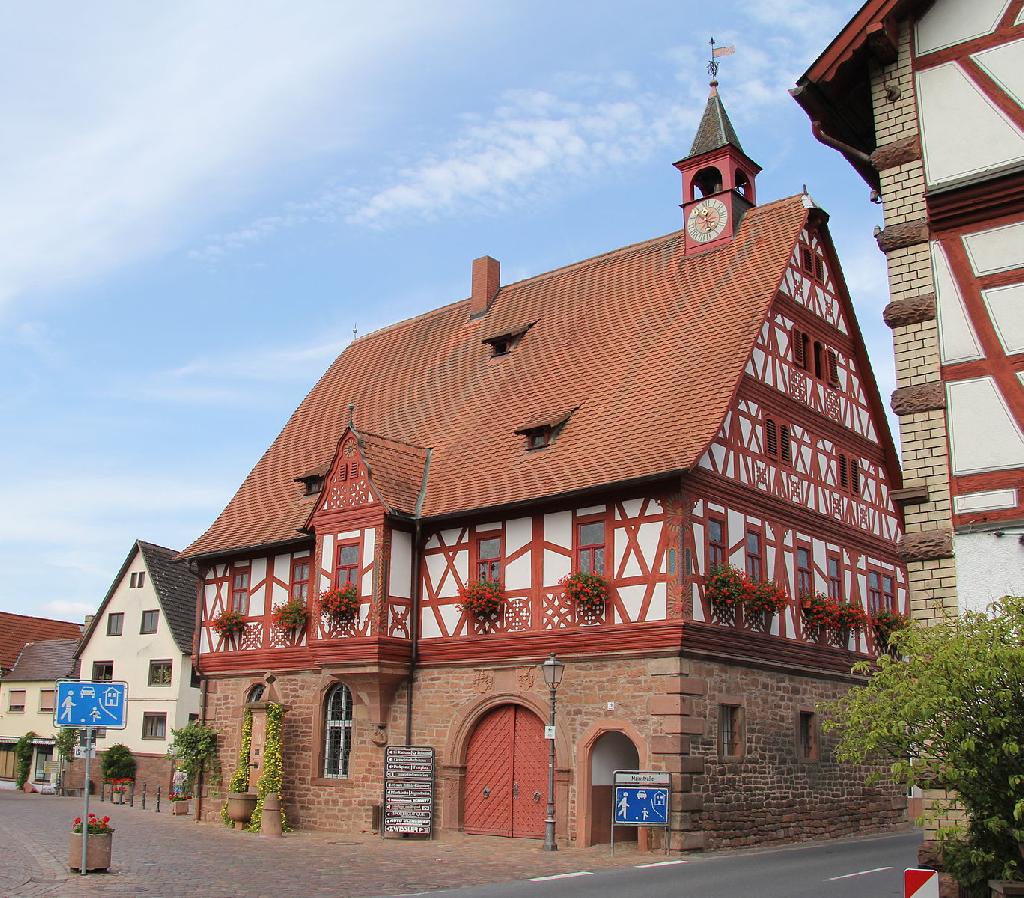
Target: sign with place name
[[81, 751], [408, 790], [83, 703], [643, 778]]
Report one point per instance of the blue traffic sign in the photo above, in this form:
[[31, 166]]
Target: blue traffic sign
[[641, 806], [89, 704]]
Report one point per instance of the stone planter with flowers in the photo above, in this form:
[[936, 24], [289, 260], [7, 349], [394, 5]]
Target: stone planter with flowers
[[99, 843]]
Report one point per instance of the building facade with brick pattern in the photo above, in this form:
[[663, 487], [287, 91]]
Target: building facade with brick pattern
[[693, 402]]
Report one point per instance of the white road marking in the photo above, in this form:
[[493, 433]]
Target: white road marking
[[560, 876], [858, 873], [660, 864]]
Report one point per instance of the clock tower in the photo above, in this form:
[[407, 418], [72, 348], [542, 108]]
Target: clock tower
[[718, 180]]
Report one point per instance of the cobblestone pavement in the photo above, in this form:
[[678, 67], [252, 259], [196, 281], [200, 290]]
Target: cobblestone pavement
[[161, 856]]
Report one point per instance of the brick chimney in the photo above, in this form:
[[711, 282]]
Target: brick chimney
[[486, 281]]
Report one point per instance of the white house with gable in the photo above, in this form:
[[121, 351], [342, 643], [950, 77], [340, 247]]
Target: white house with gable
[[142, 635]]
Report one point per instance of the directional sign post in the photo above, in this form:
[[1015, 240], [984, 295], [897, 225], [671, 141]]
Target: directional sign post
[[641, 798], [84, 704]]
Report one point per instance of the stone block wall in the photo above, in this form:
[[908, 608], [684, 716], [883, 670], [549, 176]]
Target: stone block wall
[[153, 770]]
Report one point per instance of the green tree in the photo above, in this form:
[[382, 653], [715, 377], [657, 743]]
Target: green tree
[[947, 712], [192, 747], [23, 758], [118, 763]]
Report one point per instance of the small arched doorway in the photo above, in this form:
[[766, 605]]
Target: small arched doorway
[[611, 751], [506, 774]]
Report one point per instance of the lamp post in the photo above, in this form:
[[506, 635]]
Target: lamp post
[[553, 670]]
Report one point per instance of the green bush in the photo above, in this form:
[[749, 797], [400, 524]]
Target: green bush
[[23, 758], [118, 763]]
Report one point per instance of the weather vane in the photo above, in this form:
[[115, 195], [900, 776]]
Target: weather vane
[[717, 52]]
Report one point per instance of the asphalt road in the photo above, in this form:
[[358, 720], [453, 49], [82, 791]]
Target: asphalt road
[[862, 868]]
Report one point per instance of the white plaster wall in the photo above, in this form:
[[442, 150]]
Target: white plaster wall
[[995, 249], [131, 654], [17, 724], [949, 22], [400, 574], [987, 568], [983, 435]]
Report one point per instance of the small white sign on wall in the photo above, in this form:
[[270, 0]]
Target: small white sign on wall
[[549, 732]]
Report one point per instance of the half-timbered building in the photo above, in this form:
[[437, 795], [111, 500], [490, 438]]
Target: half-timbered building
[[697, 400]]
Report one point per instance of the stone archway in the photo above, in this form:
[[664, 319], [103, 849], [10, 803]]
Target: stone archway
[[608, 746]]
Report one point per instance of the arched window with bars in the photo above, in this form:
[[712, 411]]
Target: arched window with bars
[[337, 731]]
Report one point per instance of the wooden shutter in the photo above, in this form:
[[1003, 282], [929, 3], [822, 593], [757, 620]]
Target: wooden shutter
[[799, 339], [855, 476], [771, 441], [843, 479], [786, 453], [833, 369]]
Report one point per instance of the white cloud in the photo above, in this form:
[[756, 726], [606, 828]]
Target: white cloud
[[64, 609], [154, 119]]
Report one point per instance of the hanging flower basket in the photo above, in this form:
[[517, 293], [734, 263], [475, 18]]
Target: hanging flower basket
[[883, 624], [762, 600], [482, 599], [341, 604], [230, 624], [724, 588], [291, 616], [819, 614], [588, 592]]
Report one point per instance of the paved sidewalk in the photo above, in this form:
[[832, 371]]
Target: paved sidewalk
[[160, 856]]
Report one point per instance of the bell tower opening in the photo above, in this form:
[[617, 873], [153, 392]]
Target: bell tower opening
[[707, 181]]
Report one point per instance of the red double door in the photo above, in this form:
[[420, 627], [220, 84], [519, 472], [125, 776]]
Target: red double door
[[506, 774]]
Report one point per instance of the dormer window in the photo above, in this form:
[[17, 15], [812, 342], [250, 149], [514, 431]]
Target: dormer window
[[543, 431], [312, 483], [503, 343]]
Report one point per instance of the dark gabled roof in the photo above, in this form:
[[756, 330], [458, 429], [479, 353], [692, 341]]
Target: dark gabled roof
[[715, 130], [646, 342], [18, 629], [175, 588], [53, 659]]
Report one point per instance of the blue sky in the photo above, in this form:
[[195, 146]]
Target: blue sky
[[199, 201]]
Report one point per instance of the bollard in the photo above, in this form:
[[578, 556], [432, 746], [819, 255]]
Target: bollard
[[143, 796], [158, 799], [103, 786], [131, 794], [270, 821]]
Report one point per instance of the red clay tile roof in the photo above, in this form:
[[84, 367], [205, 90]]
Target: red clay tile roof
[[647, 343], [397, 470], [18, 629]]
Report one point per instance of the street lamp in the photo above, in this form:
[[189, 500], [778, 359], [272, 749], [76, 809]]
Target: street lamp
[[553, 670]]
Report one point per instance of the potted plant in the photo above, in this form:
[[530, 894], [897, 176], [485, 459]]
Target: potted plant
[[119, 789], [762, 600], [341, 604], [884, 623], [118, 765], [724, 589], [589, 593], [98, 844], [482, 601], [850, 618], [179, 793], [291, 616], [230, 624], [819, 614]]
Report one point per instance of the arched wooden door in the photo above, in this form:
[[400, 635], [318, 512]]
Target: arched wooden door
[[506, 774]]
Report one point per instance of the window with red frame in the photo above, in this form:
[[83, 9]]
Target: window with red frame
[[753, 555], [590, 547], [804, 575], [300, 579], [889, 592], [835, 578], [874, 591], [488, 558], [240, 589], [347, 568], [716, 542]]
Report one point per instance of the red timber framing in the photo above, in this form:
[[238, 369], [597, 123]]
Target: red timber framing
[[1004, 368]]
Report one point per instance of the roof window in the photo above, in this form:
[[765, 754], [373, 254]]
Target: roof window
[[543, 431], [503, 343], [312, 482]]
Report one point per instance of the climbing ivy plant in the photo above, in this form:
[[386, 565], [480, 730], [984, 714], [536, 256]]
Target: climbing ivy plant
[[240, 778], [192, 747], [272, 777], [23, 758]]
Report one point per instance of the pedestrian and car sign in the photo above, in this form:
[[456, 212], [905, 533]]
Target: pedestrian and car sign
[[641, 798], [83, 703]]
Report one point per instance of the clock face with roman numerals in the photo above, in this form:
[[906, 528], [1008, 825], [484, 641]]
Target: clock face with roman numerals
[[707, 220]]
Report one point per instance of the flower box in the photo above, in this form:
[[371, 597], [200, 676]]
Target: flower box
[[341, 605], [483, 600], [97, 851]]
